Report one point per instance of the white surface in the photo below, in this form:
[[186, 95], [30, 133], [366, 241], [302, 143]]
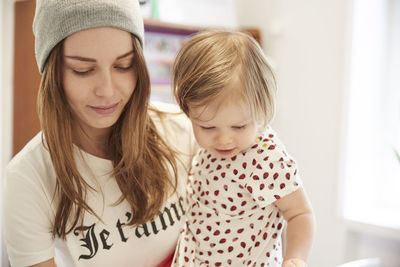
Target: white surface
[[372, 262], [306, 40], [6, 66], [309, 44], [373, 128], [221, 13]]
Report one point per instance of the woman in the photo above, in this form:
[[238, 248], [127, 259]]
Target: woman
[[102, 184]]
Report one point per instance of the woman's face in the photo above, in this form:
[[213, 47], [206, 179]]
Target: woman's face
[[98, 76]]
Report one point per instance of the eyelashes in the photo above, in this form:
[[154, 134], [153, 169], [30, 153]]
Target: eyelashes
[[207, 128], [124, 68], [241, 127], [89, 71], [82, 73]]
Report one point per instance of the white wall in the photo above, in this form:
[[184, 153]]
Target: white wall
[[309, 44], [6, 67], [203, 13], [306, 41], [1, 119]]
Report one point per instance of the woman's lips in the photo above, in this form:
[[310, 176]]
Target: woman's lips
[[105, 110]]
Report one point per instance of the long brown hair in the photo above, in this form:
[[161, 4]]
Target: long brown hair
[[142, 160]]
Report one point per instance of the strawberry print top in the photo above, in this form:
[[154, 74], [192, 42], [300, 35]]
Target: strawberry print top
[[232, 219]]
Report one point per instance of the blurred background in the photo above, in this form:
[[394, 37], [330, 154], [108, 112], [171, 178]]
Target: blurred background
[[338, 70]]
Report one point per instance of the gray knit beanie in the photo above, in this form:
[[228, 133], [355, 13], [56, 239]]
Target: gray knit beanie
[[57, 19]]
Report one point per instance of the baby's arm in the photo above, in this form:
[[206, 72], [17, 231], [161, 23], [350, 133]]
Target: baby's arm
[[297, 211]]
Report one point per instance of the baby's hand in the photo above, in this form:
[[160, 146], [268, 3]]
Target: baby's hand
[[294, 263]]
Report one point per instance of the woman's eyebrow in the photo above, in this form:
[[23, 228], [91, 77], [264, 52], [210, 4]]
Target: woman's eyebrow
[[86, 59], [125, 55]]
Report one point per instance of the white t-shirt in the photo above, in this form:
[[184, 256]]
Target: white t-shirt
[[232, 219], [29, 209]]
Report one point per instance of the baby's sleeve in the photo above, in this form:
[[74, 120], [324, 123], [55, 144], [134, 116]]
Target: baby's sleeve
[[273, 173], [26, 218]]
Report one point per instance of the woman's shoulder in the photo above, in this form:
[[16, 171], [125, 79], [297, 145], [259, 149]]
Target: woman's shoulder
[[171, 122], [33, 156], [169, 116], [174, 126]]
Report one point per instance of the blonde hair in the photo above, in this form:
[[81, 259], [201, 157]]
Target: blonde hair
[[142, 160], [210, 60]]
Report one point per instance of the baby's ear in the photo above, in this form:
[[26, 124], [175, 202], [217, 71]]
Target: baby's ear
[[260, 126]]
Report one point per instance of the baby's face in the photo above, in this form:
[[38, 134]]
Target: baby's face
[[225, 129]]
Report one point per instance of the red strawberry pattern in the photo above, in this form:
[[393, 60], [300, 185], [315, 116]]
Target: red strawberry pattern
[[232, 219]]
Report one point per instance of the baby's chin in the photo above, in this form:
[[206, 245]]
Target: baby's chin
[[225, 152]]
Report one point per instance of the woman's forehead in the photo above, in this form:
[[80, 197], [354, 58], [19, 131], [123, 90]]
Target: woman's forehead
[[98, 42]]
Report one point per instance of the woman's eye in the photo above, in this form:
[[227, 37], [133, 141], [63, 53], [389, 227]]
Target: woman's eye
[[82, 73], [124, 68]]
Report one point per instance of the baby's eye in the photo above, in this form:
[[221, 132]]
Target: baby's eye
[[239, 127], [207, 127]]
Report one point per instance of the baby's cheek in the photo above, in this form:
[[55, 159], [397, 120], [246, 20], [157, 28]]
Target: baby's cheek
[[202, 139], [249, 138]]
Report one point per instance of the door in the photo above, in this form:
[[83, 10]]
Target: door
[[26, 76]]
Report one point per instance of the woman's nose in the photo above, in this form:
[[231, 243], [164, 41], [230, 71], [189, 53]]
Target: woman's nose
[[104, 85]]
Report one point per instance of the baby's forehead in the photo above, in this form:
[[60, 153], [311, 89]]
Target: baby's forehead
[[224, 112], [202, 113]]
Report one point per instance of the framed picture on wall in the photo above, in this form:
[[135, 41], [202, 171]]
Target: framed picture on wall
[[162, 43]]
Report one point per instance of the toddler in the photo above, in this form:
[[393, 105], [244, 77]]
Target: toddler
[[243, 186]]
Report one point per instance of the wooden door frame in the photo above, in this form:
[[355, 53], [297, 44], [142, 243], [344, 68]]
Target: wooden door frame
[[26, 77]]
